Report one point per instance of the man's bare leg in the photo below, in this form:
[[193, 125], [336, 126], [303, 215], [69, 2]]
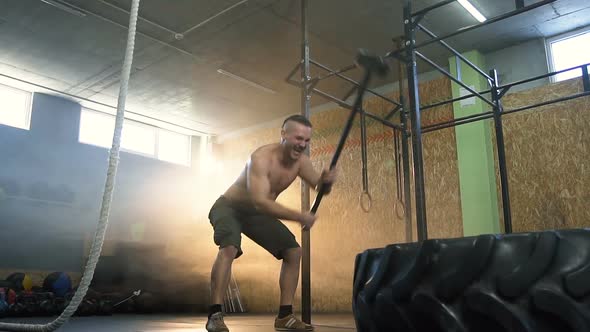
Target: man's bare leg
[[221, 273], [288, 283], [220, 276], [289, 275]]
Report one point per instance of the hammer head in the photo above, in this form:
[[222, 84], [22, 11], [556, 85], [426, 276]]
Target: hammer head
[[371, 63]]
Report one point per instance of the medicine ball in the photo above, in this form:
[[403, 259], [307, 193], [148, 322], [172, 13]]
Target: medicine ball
[[59, 283], [21, 281]]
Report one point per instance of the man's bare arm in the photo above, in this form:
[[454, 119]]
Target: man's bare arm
[[308, 173], [313, 179], [259, 188]]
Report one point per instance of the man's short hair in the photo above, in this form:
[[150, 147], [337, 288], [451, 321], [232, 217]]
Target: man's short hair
[[299, 119]]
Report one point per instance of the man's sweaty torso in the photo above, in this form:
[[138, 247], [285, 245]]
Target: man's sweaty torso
[[280, 176]]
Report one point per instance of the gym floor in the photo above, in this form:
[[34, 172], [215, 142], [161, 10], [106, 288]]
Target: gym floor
[[170, 323]]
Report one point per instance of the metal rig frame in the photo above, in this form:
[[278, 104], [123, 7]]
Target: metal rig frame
[[407, 53]]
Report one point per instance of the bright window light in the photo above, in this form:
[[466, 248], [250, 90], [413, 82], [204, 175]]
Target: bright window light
[[15, 107], [209, 165], [567, 51], [174, 147], [472, 10], [138, 137], [96, 128]]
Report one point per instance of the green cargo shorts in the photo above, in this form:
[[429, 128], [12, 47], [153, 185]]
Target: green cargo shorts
[[230, 220]]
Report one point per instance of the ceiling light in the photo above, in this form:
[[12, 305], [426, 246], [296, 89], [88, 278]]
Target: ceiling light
[[65, 7], [472, 10], [243, 80]]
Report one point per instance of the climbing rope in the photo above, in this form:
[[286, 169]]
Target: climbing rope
[[106, 199]]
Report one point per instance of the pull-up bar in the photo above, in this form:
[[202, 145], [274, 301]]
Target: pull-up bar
[[487, 22]]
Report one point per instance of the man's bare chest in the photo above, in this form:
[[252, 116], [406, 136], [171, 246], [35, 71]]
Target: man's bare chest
[[280, 178]]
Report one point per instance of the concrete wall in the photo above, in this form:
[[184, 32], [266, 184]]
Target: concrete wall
[[52, 190], [520, 62]]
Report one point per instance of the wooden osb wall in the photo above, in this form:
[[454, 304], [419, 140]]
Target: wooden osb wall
[[343, 229], [547, 152], [441, 172]]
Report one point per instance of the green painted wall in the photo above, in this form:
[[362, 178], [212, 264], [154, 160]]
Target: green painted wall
[[475, 153]]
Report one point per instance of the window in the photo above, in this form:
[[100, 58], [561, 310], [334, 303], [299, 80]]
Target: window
[[138, 137], [15, 107], [568, 50], [97, 129], [174, 147]]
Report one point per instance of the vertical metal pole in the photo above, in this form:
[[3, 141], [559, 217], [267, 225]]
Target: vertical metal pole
[[305, 200], [365, 175], [410, 48], [405, 149], [498, 109], [398, 166]]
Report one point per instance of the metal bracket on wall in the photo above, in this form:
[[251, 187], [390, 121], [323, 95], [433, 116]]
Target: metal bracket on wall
[[586, 78]]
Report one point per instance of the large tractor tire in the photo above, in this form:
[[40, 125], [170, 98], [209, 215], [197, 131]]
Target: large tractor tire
[[527, 282]]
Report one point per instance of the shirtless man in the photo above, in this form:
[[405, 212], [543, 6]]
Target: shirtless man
[[249, 207]]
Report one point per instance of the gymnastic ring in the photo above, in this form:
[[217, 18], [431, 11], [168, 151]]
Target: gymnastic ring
[[399, 203], [370, 201]]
